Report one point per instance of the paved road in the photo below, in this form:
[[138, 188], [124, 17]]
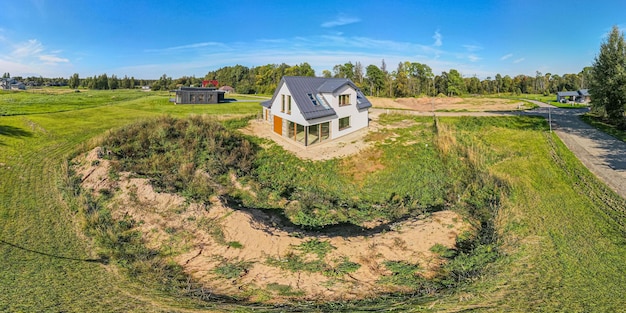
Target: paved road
[[602, 154]]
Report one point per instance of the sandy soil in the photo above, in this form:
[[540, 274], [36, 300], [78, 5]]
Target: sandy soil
[[427, 104], [201, 239]]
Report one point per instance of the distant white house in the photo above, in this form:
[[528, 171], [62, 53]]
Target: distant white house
[[310, 110]]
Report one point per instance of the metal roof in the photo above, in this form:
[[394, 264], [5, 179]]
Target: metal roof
[[567, 93], [581, 92], [300, 87]]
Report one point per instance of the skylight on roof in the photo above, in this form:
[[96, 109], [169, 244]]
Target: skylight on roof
[[312, 99]]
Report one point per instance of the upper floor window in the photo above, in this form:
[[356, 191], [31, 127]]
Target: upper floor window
[[344, 100], [282, 103], [288, 104]]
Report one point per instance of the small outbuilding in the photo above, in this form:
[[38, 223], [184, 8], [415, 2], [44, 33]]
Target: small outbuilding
[[198, 95], [579, 96]]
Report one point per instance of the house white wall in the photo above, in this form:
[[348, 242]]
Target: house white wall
[[358, 119], [295, 115]]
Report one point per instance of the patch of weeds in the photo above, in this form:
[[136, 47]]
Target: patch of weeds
[[402, 274], [213, 227], [232, 270], [257, 295], [113, 175], [443, 251], [399, 243], [170, 230], [345, 266], [315, 246], [285, 290], [105, 194], [296, 263], [132, 194], [235, 244]]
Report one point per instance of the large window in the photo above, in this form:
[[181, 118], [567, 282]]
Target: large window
[[344, 123], [325, 131], [344, 100]]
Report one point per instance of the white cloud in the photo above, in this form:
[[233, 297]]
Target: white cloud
[[30, 58], [472, 48], [519, 60], [340, 21], [474, 58], [26, 49], [437, 36], [188, 47], [504, 57], [52, 59]]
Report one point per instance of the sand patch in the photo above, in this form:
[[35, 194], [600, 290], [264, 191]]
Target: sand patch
[[254, 247], [428, 104]]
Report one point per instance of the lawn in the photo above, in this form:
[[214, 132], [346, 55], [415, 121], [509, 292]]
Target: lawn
[[562, 230], [46, 265]]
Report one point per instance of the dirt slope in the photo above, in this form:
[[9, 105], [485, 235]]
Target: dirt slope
[[207, 238]]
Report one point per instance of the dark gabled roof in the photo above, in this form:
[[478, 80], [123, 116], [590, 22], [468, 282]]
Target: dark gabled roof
[[301, 87], [567, 93], [581, 92], [361, 100]]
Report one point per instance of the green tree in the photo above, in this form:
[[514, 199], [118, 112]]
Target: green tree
[[585, 77], [456, 85], [74, 81], [608, 79], [327, 74], [401, 81], [473, 85], [112, 82], [375, 79]]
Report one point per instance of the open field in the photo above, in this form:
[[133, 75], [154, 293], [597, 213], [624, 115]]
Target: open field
[[562, 232]]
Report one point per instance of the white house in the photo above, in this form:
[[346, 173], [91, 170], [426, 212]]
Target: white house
[[310, 110]]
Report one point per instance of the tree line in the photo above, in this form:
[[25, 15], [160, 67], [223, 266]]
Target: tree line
[[409, 79]]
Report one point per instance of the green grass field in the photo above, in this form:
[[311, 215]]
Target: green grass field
[[562, 231]]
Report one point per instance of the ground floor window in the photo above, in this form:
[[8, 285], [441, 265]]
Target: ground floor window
[[344, 123], [308, 135]]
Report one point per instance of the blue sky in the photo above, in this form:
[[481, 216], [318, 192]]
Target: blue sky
[[147, 39]]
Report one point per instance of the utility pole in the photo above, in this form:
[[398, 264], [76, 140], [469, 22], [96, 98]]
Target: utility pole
[[550, 118]]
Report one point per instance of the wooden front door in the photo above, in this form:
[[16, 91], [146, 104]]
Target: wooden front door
[[278, 125]]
